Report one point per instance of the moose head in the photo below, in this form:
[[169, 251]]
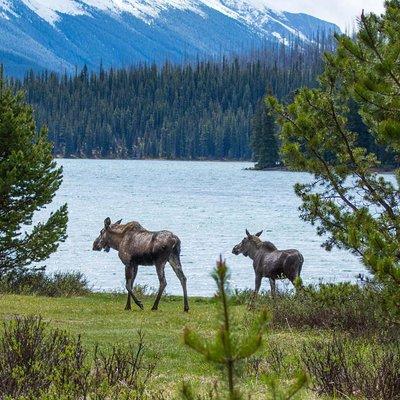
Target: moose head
[[248, 243], [102, 242]]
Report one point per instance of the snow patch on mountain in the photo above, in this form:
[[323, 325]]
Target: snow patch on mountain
[[6, 10], [143, 9], [50, 10], [255, 13], [280, 38], [220, 6], [248, 11]]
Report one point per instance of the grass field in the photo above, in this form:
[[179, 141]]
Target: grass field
[[101, 319]]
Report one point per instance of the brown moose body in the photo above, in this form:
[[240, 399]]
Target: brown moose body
[[138, 246], [268, 261]]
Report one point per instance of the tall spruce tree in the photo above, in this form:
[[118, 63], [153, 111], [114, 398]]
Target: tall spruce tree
[[264, 138], [29, 179], [356, 208]]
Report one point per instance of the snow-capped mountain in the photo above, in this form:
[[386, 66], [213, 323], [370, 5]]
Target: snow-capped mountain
[[65, 34]]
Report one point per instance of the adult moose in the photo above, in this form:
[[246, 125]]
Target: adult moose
[[138, 246], [268, 261]]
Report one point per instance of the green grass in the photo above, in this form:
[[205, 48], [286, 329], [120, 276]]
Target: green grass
[[101, 319]]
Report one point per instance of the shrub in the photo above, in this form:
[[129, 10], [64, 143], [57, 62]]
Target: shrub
[[343, 306], [37, 362], [343, 367], [31, 358], [278, 361], [123, 368], [38, 283]]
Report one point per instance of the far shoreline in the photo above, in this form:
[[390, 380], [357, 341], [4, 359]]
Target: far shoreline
[[383, 170]]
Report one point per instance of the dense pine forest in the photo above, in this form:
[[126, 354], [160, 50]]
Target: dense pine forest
[[200, 110], [203, 110]]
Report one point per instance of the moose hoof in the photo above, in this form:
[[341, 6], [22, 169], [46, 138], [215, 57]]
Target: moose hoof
[[140, 305], [128, 308], [154, 308], [186, 309]]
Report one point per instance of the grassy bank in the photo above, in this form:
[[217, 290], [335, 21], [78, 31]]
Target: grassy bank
[[101, 319], [301, 332]]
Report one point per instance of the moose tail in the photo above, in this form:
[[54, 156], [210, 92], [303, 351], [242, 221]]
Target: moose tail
[[174, 258], [176, 248]]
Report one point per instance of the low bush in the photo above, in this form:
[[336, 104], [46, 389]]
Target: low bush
[[279, 361], [38, 283], [344, 368], [343, 306], [37, 362]]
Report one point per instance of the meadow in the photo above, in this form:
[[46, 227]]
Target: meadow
[[303, 334]]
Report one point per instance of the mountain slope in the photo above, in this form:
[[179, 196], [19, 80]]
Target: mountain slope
[[64, 34]]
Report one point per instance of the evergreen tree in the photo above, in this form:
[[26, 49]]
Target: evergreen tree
[[264, 138], [358, 209], [29, 179]]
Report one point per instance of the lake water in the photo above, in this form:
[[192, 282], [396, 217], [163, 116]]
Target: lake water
[[207, 204]]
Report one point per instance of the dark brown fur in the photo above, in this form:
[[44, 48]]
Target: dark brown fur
[[268, 261], [138, 246]]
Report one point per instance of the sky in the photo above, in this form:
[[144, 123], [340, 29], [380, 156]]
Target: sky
[[341, 12]]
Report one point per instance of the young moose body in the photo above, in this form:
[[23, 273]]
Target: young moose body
[[268, 261], [138, 246]]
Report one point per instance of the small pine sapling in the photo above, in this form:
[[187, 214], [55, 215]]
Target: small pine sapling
[[229, 348]]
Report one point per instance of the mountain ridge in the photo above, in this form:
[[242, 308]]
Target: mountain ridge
[[70, 33]]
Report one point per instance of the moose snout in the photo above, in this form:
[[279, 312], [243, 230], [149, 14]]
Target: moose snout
[[96, 247], [235, 250]]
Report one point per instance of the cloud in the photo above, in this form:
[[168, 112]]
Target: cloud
[[341, 12]]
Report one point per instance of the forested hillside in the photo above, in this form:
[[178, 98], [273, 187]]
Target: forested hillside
[[195, 111]]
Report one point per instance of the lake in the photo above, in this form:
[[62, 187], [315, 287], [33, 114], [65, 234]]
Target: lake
[[207, 204]]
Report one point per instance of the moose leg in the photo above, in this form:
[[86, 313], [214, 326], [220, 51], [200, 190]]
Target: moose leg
[[257, 285], [128, 280], [163, 283], [130, 276], [256, 289], [273, 287], [177, 267]]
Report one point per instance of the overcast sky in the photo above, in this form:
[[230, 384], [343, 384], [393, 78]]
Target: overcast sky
[[341, 12]]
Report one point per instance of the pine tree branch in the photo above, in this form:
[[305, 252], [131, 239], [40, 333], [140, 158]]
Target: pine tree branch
[[375, 49], [332, 180], [359, 94], [357, 170]]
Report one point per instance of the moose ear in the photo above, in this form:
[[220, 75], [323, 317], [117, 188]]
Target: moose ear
[[259, 233], [107, 222], [118, 222], [248, 233]]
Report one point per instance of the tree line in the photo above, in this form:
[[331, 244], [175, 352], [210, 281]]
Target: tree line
[[200, 110], [203, 110]]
